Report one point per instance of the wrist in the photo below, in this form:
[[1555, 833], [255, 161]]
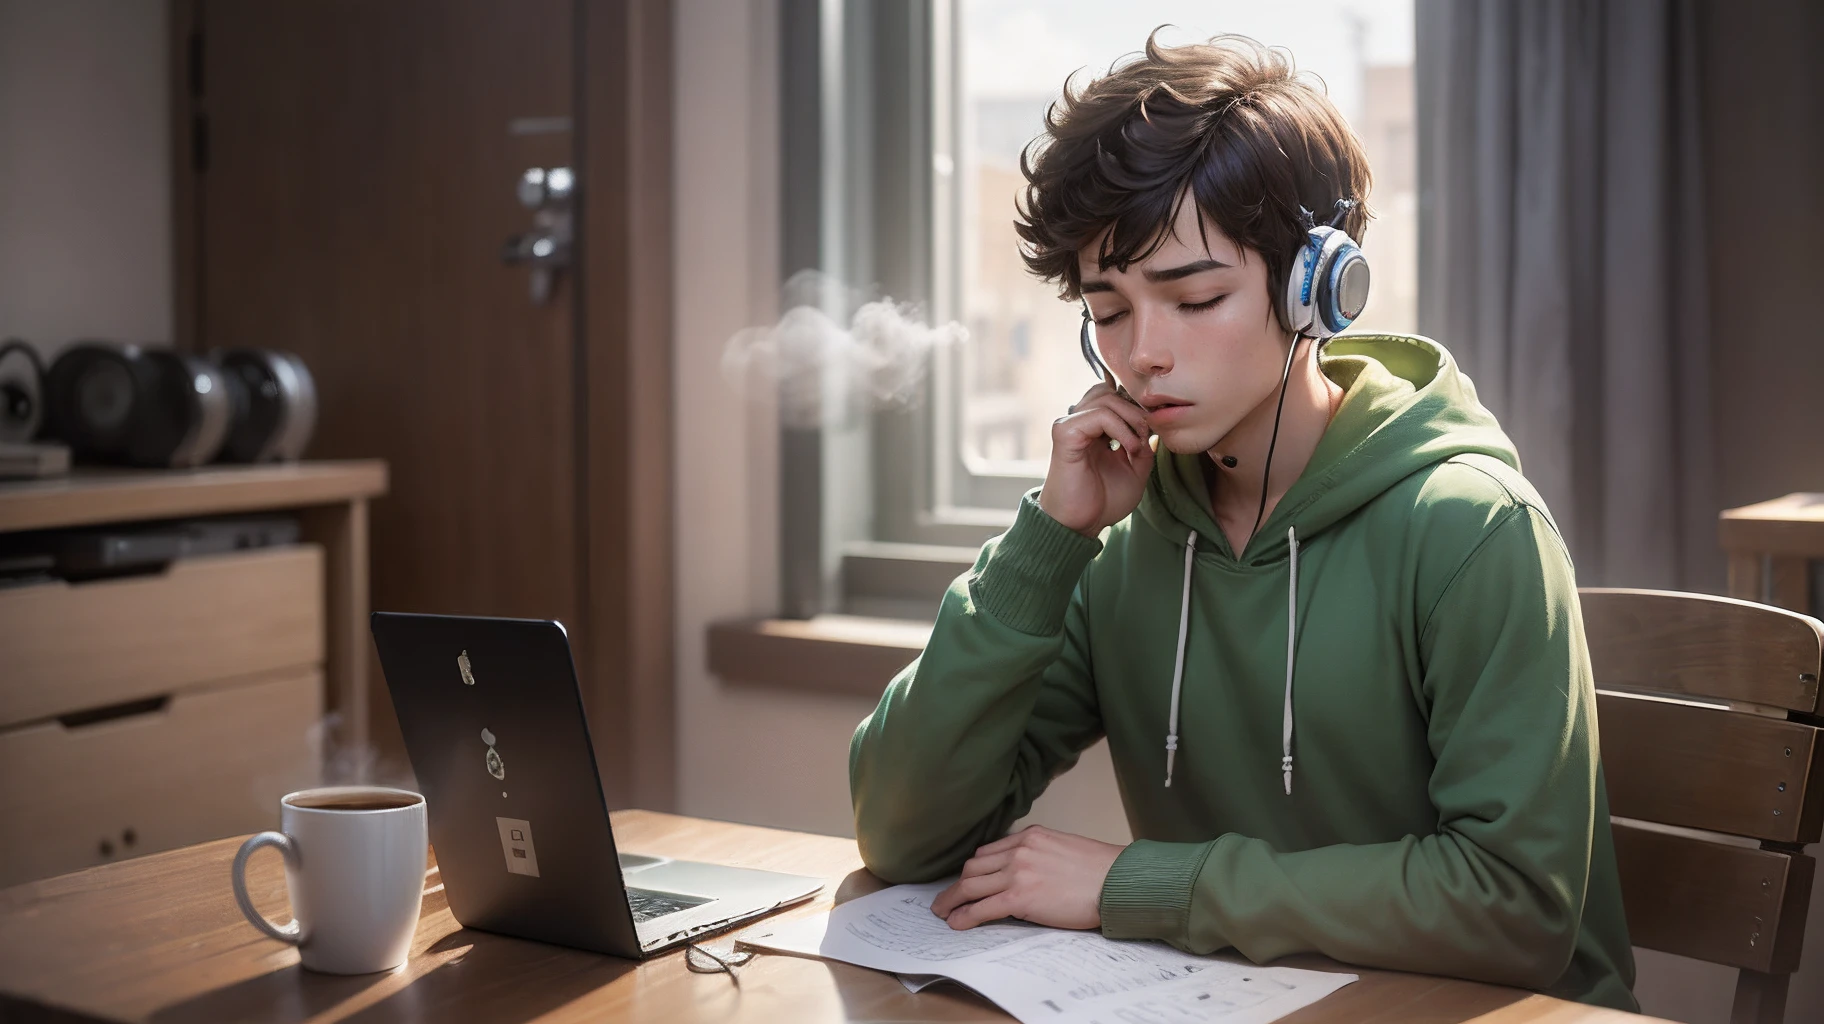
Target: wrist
[[1048, 505], [1148, 889], [1027, 579]]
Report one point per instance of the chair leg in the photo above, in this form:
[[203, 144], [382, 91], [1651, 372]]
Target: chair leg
[[1760, 998]]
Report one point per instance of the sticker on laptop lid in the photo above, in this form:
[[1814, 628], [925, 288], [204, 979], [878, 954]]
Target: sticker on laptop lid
[[516, 846]]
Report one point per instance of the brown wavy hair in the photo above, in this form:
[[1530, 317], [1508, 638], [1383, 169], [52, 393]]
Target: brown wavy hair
[[1230, 123]]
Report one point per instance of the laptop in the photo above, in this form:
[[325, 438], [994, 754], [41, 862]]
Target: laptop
[[493, 723]]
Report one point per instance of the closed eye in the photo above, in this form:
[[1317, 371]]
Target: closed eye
[[1109, 319], [1198, 307]]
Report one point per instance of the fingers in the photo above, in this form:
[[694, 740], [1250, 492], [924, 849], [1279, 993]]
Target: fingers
[[1082, 430], [1103, 396], [984, 865], [968, 890], [993, 908], [1140, 460], [1011, 840]]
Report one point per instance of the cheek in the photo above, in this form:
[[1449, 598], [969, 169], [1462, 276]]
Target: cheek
[[1233, 343]]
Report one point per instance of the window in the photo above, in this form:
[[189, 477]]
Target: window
[[939, 97]]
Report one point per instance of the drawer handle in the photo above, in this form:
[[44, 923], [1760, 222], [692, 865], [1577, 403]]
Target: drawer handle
[[114, 712]]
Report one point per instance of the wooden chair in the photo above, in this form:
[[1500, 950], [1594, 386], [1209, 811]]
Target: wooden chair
[[1707, 709]]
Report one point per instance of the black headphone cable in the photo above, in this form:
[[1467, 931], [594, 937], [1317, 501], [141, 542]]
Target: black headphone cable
[[1266, 477]]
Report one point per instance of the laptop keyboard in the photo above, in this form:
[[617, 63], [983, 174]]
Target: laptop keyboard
[[647, 904]]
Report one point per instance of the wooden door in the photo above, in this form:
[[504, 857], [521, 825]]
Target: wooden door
[[350, 185]]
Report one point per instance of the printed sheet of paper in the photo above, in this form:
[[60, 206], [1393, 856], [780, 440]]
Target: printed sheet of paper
[[1050, 976], [804, 937]]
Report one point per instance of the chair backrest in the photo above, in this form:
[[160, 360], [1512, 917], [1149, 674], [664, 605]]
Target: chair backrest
[[1707, 710]]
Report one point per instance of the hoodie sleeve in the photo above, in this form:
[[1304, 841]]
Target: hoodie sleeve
[[999, 703], [1496, 892]]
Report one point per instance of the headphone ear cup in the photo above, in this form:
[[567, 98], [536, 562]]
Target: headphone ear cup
[[1343, 292]]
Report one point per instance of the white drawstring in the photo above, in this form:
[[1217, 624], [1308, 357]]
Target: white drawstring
[[1184, 623], [1285, 764]]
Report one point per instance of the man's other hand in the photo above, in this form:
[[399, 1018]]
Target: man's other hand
[[1037, 874]]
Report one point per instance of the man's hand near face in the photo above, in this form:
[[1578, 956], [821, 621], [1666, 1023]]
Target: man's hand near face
[[1087, 485], [1037, 874]]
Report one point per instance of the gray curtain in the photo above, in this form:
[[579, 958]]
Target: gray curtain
[[1562, 260]]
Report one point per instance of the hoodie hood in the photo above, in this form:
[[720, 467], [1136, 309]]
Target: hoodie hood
[[1405, 407]]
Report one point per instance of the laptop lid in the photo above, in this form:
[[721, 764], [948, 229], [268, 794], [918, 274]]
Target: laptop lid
[[493, 724]]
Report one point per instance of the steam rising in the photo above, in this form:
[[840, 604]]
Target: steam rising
[[345, 763], [830, 365]]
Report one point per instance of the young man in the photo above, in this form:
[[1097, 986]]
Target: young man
[[1347, 696]]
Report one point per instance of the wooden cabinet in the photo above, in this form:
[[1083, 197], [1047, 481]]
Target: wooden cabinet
[[169, 771], [76, 647], [149, 712], [1776, 552]]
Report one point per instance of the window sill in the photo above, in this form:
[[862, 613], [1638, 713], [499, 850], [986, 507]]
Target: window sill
[[845, 654]]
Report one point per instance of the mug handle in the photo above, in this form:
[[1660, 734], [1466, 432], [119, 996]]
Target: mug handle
[[288, 933]]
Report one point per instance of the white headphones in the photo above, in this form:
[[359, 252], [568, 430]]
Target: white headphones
[[1328, 284]]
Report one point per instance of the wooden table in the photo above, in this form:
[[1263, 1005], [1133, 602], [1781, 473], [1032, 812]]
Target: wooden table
[[1775, 549], [159, 939]]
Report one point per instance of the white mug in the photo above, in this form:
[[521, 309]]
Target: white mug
[[356, 876]]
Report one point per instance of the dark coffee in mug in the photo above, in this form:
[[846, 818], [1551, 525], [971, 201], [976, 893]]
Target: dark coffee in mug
[[355, 802]]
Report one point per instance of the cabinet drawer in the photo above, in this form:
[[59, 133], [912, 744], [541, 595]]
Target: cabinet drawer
[[204, 764], [73, 647]]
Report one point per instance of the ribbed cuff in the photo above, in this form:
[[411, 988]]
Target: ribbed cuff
[[1147, 894], [1027, 582]]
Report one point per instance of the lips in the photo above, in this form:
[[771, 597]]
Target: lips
[[1164, 414], [1161, 409]]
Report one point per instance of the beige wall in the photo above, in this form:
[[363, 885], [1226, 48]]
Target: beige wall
[[85, 181]]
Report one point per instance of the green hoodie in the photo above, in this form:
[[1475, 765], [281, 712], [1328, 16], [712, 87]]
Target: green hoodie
[[1418, 789]]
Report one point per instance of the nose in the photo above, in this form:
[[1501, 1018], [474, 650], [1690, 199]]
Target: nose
[[1150, 355]]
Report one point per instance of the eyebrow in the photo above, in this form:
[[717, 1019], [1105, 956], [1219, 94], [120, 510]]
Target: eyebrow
[[1159, 276], [1177, 273]]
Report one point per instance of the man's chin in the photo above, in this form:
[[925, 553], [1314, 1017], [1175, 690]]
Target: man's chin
[[1186, 442]]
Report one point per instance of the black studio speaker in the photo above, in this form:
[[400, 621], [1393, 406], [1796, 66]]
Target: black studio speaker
[[274, 402], [137, 406]]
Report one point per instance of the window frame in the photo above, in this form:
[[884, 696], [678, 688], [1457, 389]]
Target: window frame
[[862, 201]]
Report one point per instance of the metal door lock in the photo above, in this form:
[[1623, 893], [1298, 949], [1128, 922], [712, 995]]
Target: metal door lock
[[545, 249]]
